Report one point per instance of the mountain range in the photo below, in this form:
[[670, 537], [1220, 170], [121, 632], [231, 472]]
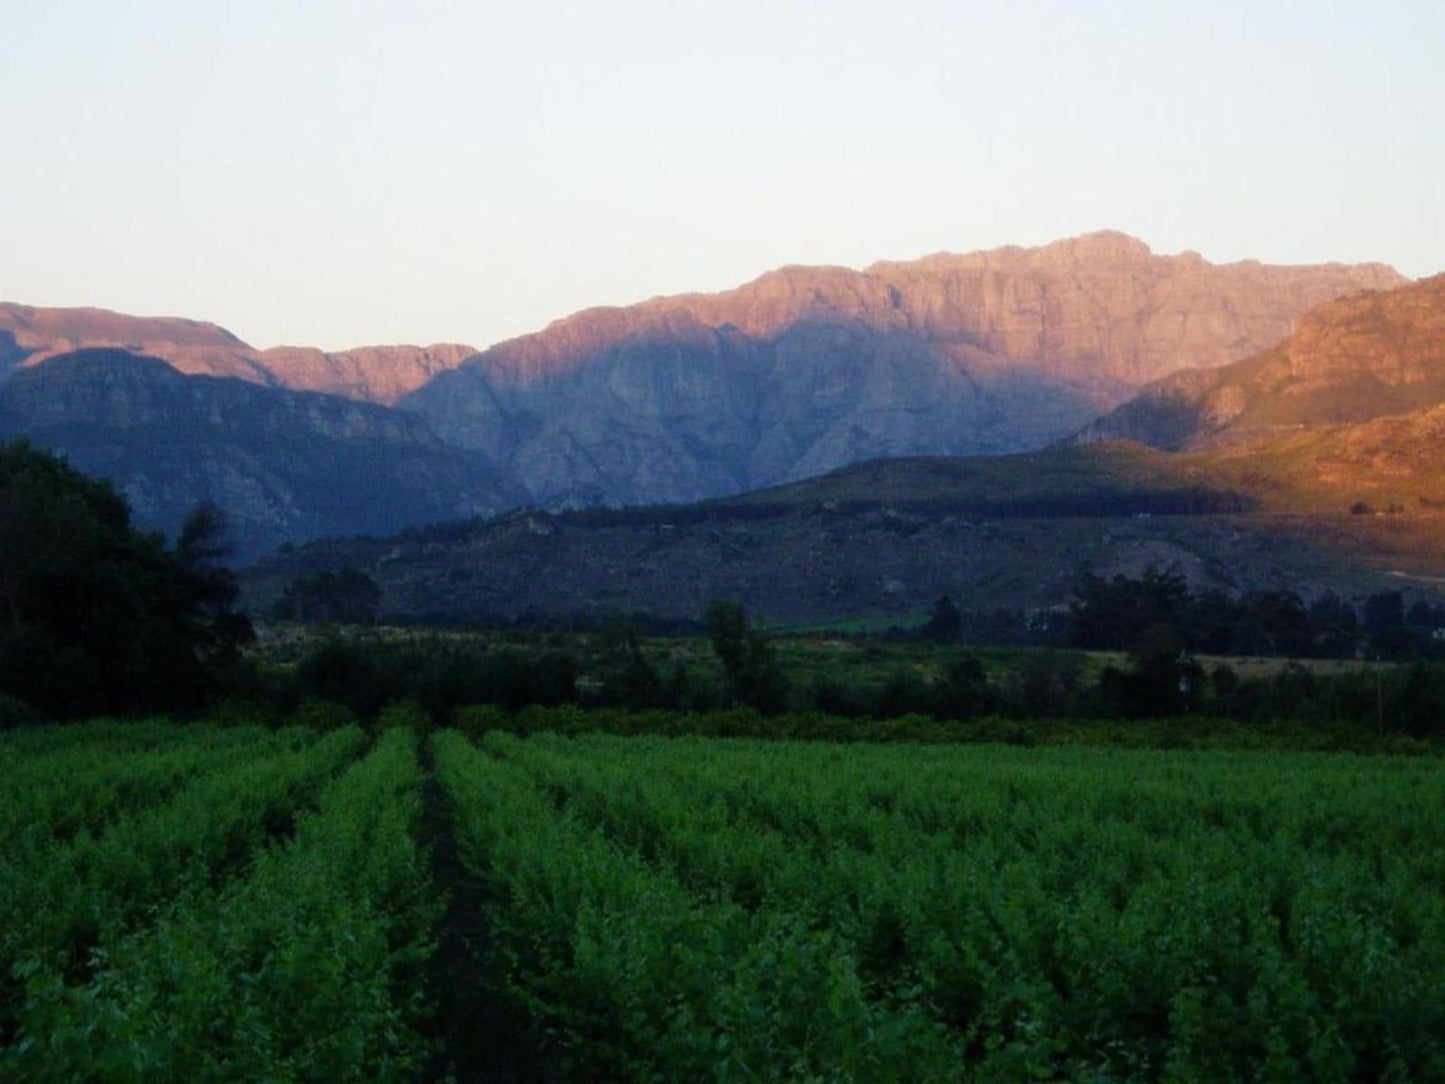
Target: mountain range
[[802, 371], [810, 368], [1315, 464]]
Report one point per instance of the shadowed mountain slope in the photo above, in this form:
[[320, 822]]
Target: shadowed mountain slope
[[807, 369], [1357, 358], [879, 540], [1306, 468], [284, 465]]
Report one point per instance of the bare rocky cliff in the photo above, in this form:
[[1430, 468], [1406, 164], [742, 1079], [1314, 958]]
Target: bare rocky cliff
[[1364, 356], [807, 369], [373, 374]]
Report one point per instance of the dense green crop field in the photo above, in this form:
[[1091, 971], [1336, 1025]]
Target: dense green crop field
[[200, 903]]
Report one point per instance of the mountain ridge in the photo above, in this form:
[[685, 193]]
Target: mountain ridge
[[285, 465], [697, 396], [379, 374], [881, 540], [805, 369], [1354, 506]]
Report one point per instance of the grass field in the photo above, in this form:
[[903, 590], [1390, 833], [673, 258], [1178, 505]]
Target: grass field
[[203, 903]]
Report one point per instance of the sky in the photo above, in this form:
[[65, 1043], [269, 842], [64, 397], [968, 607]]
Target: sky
[[344, 173]]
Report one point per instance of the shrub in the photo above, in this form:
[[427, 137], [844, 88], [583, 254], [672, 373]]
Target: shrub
[[322, 715]]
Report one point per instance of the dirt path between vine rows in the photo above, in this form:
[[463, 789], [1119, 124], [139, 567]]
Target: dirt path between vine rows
[[483, 1038]]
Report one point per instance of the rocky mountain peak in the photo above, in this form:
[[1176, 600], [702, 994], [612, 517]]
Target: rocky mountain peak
[[808, 368], [1366, 355]]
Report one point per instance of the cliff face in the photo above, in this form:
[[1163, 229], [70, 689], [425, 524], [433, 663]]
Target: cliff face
[[376, 374], [373, 374], [11, 354], [807, 369], [1357, 358], [286, 466]]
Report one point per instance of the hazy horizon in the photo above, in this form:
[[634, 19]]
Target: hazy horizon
[[342, 176]]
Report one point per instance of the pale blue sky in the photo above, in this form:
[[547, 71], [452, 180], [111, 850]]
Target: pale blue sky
[[359, 172]]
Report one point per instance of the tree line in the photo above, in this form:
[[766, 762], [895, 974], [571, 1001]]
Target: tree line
[[1124, 613]]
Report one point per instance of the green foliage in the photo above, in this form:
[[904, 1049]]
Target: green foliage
[[1114, 614], [748, 662], [628, 678], [860, 680], [945, 623], [307, 968], [313, 713], [438, 675], [686, 909], [204, 903], [96, 616], [404, 714], [15, 713], [1196, 732], [100, 838], [348, 597], [963, 691]]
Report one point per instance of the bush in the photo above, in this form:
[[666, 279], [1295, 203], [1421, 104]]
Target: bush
[[322, 715], [404, 715], [15, 713], [438, 677], [475, 720]]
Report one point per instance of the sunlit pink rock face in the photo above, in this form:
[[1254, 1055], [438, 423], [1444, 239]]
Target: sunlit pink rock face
[[376, 374], [1364, 356], [810, 368]]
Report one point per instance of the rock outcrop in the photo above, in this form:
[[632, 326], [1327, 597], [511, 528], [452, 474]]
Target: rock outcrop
[[372, 374], [807, 369]]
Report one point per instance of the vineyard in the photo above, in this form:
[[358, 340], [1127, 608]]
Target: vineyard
[[194, 902]]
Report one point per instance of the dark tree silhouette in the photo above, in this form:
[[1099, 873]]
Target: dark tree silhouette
[[752, 671], [348, 597], [96, 616], [946, 622]]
